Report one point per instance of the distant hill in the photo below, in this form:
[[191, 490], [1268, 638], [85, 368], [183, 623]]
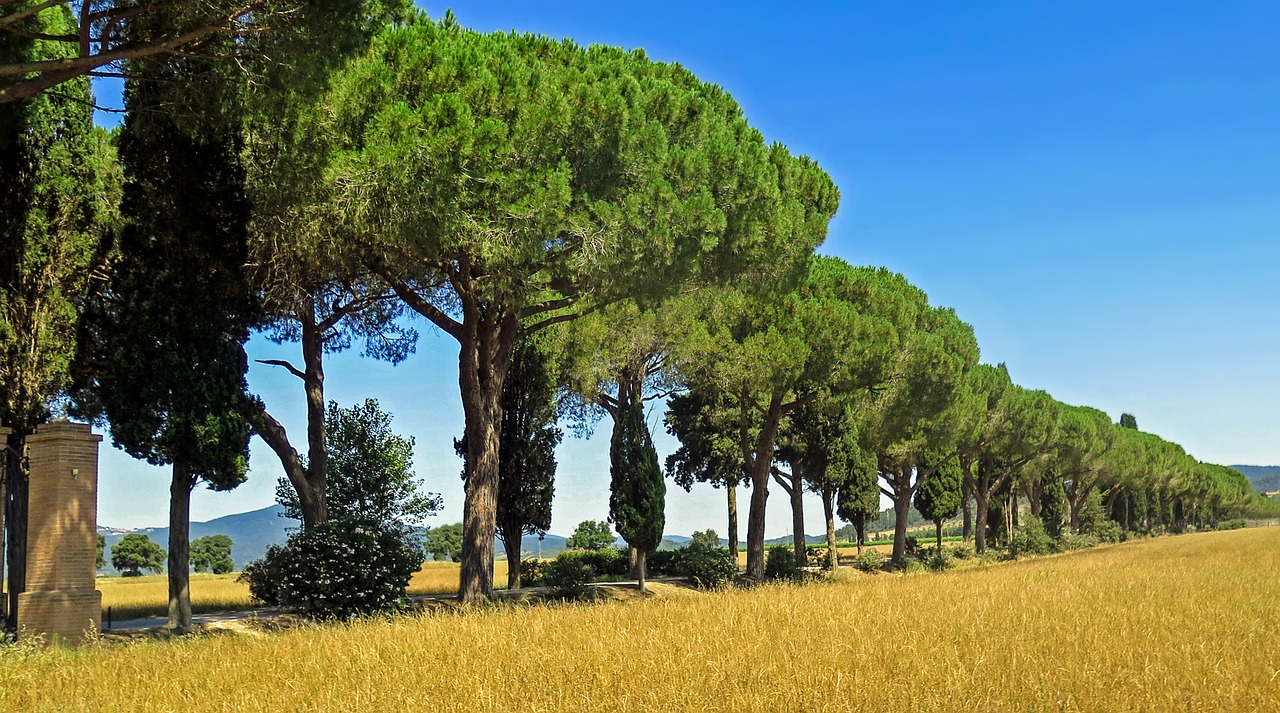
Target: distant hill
[[1264, 478], [250, 533]]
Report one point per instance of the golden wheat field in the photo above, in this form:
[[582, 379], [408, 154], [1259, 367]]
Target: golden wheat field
[[1189, 623], [133, 597]]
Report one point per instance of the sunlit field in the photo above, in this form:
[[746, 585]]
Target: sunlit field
[[135, 597], [1176, 623]]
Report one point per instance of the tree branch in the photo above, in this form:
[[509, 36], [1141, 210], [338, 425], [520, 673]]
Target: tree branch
[[21, 15], [417, 302], [281, 362]]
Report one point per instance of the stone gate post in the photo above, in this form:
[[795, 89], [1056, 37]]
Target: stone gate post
[[60, 601]]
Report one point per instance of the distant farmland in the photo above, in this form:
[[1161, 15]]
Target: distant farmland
[[1176, 623]]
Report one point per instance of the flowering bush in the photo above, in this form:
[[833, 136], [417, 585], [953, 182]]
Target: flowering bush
[[337, 570]]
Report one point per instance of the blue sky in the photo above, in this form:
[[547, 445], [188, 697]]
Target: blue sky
[[1093, 186]]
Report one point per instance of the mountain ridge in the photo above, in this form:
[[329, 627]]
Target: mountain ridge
[[1263, 478]]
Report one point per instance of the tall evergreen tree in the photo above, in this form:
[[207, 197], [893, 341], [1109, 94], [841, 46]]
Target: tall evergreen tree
[[938, 497], [59, 195], [638, 492], [169, 363]]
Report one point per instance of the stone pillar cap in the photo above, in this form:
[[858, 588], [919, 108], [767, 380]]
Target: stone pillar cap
[[63, 429]]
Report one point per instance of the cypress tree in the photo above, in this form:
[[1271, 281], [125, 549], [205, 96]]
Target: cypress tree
[[59, 190], [168, 364], [938, 497], [638, 492]]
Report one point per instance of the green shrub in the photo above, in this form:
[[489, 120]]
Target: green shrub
[[962, 551], [570, 578], [609, 562], [1235, 524], [1030, 538], [940, 560], [1071, 541], [912, 548], [816, 556], [870, 561], [781, 564], [532, 573], [663, 563], [1105, 530], [709, 568], [913, 566], [337, 570]]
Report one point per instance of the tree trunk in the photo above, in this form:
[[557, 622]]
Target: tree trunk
[[1033, 497], [966, 505], [486, 347], [512, 545], [794, 486], [860, 527], [308, 480], [760, 462], [1074, 501], [829, 513], [938, 523], [480, 507], [15, 523], [310, 501], [180, 549], [641, 565], [901, 513], [314, 507], [983, 501], [755, 527], [633, 561], [733, 523]]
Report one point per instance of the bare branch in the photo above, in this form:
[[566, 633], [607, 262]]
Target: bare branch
[[281, 362]]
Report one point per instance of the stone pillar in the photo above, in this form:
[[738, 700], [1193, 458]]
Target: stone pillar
[[60, 601]]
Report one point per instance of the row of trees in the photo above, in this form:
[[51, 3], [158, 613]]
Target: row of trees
[[136, 553], [594, 229]]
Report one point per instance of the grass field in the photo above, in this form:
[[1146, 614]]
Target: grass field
[[1176, 623], [136, 597]]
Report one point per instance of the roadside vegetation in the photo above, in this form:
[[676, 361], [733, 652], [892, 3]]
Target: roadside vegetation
[[1153, 625]]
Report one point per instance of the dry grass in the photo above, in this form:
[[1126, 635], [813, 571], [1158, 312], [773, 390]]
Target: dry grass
[[442, 578], [133, 597], [1179, 623], [136, 597]]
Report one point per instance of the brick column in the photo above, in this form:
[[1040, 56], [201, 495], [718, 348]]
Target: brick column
[[60, 601]]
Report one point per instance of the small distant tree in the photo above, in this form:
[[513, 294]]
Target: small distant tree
[[591, 535], [102, 548], [135, 553], [445, 542], [212, 554], [1128, 421], [707, 539]]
